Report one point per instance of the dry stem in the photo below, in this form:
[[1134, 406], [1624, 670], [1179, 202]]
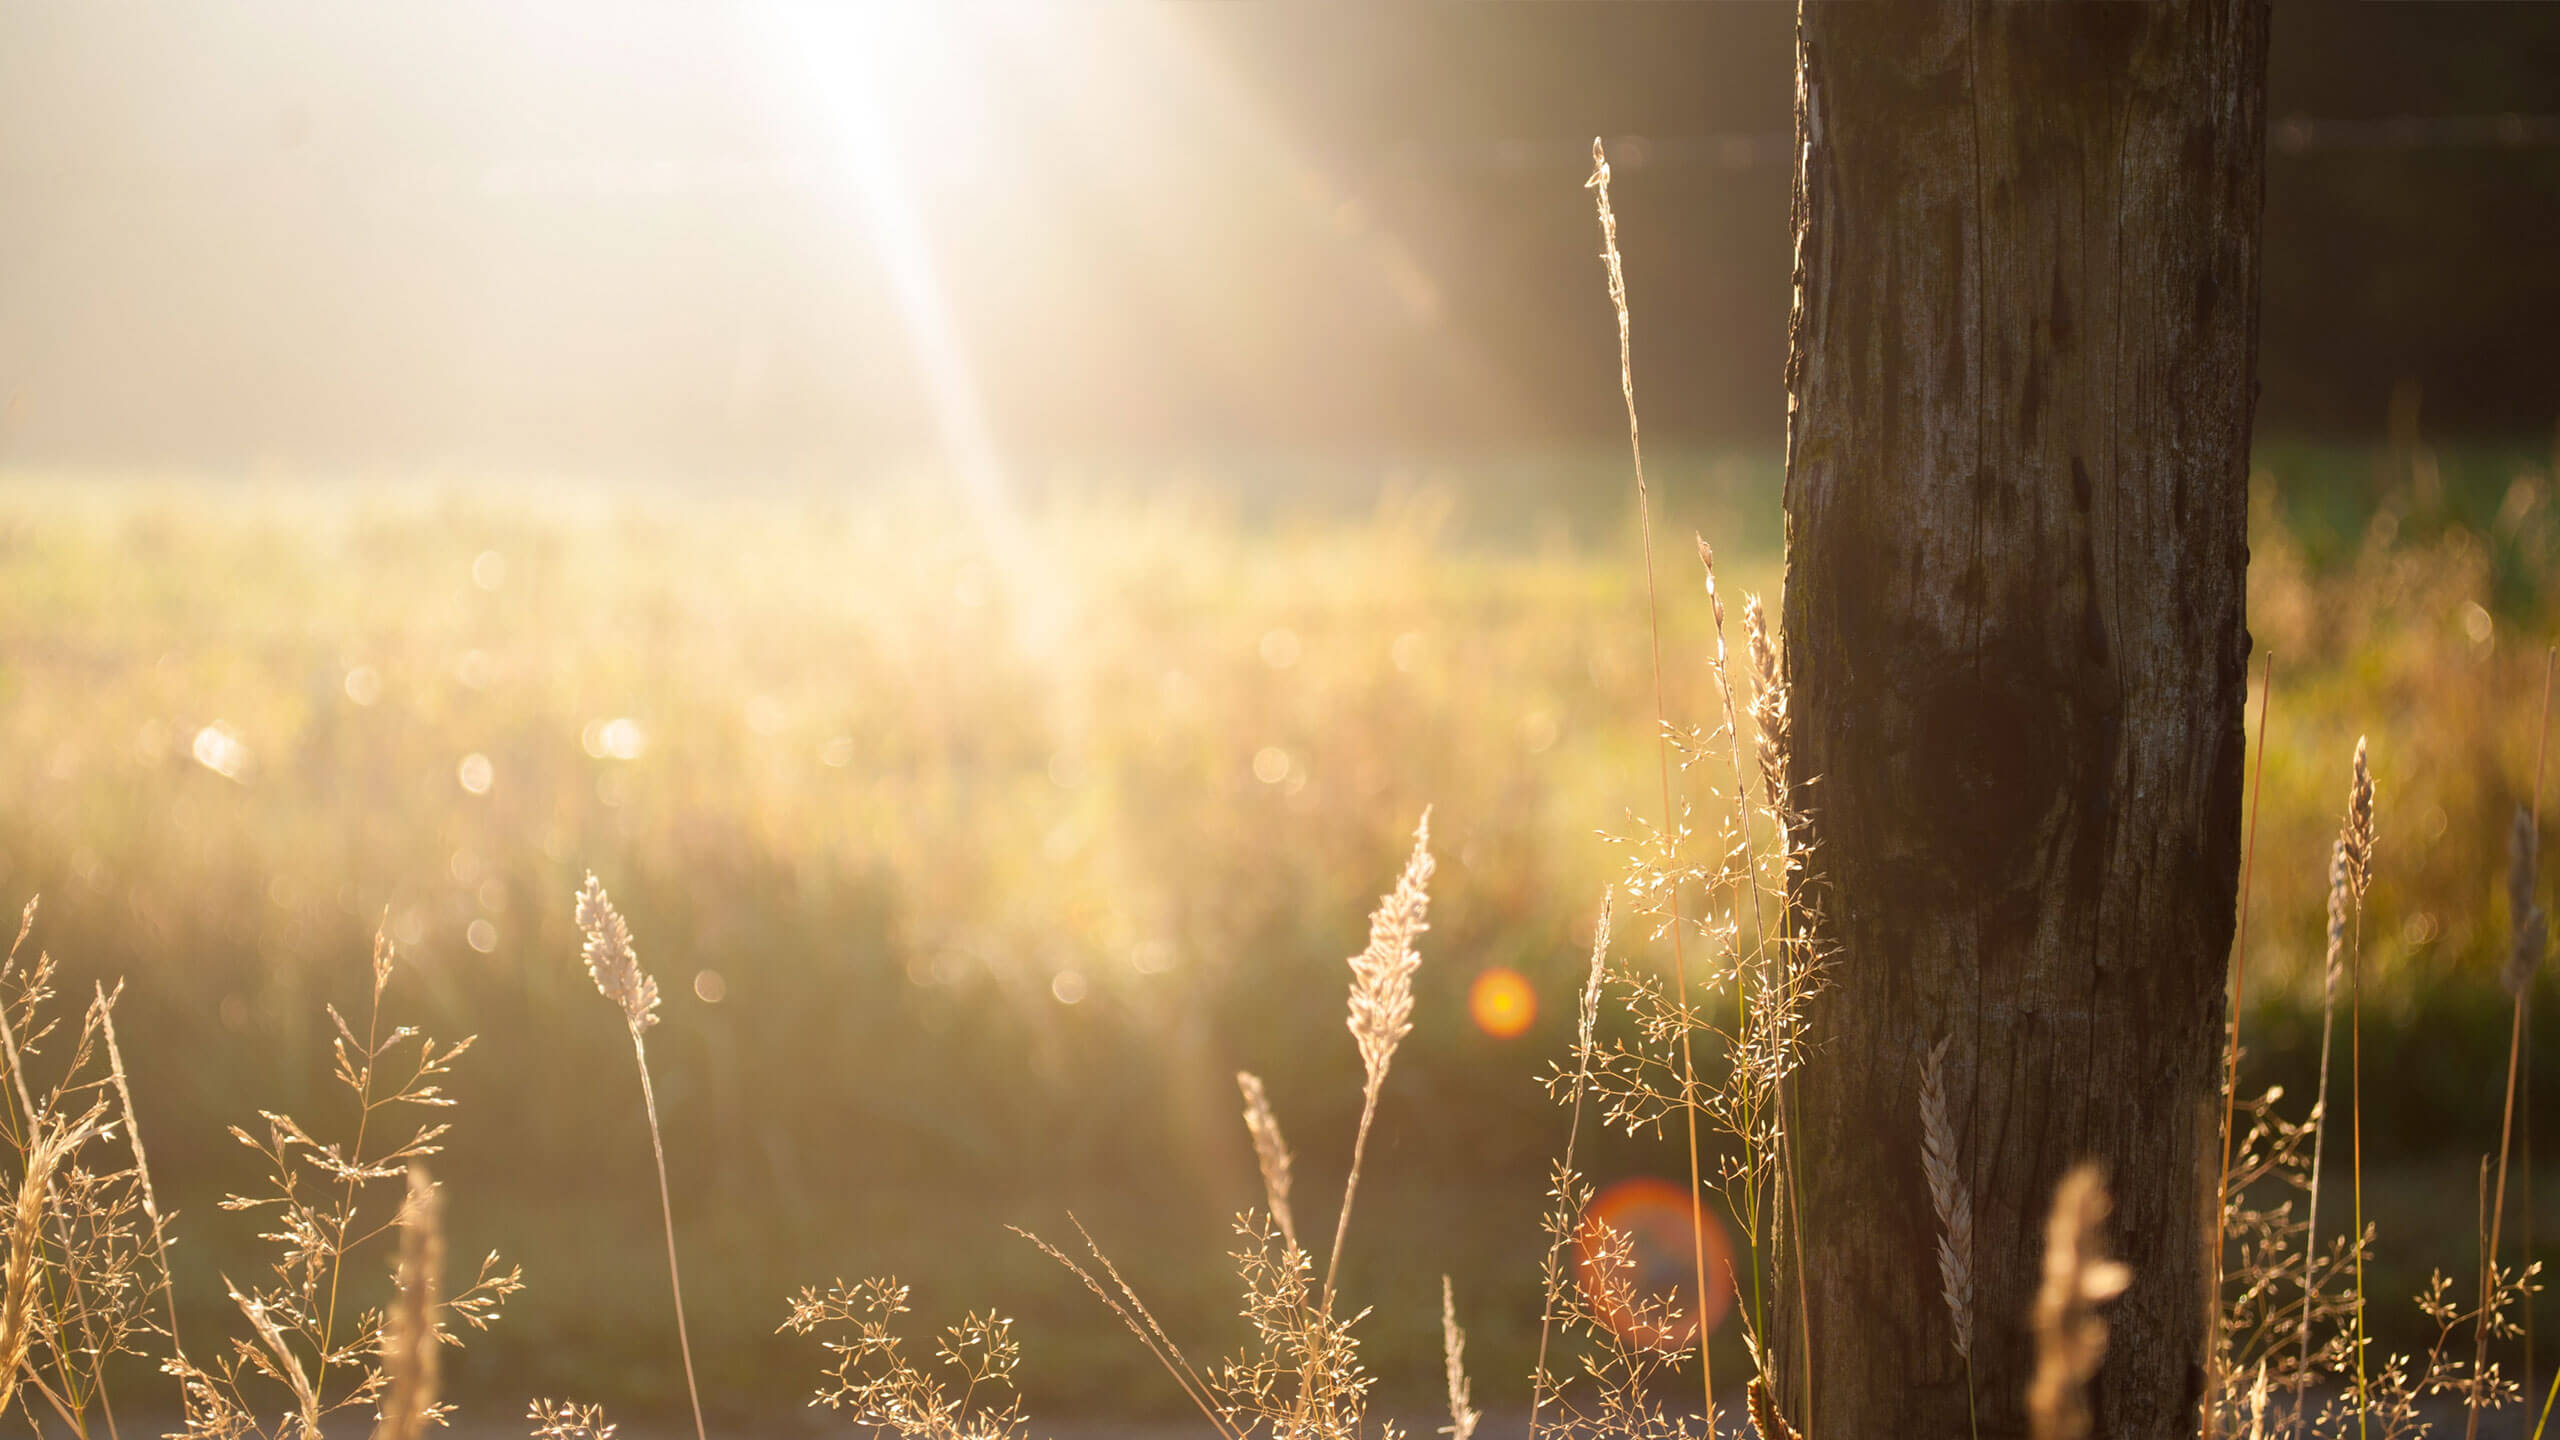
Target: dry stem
[[2526, 922], [2212, 1419], [1599, 182], [614, 963]]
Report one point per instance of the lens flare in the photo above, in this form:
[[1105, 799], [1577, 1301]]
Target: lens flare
[[1636, 1264], [1502, 1003]]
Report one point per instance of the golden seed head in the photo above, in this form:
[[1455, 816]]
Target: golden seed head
[[2356, 834], [1382, 975], [1269, 1151], [1587, 1021], [611, 958]]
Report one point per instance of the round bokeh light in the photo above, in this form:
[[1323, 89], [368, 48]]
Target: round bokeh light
[[1502, 1003], [1637, 1265]]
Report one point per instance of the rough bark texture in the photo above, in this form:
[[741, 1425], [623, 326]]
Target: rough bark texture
[[2020, 399]]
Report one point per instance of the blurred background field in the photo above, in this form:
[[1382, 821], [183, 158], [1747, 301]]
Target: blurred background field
[[973, 876]]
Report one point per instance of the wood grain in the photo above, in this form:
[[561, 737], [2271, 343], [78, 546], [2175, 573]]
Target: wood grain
[[2020, 394]]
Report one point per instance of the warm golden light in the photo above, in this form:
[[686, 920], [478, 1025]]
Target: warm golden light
[[1502, 1003]]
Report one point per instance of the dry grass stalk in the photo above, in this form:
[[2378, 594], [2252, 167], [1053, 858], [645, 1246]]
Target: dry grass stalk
[[320, 1211], [1380, 1015], [1129, 1293], [1774, 962], [30, 995], [2218, 1358], [2391, 1406], [276, 1358], [2356, 839], [2341, 903], [2389, 1401], [568, 1420], [1463, 1414], [2528, 927], [1764, 1412], [2267, 1304], [1769, 716], [1630, 1342], [1948, 1196], [1632, 1338], [1381, 1010], [94, 1299], [614, 962], [1644, 1081], [883, 1389], [2356, 834], [1599, 185], [76, 1329], [2350, 873], [410, 1335], [1295, 1338], [20, 1319], [2071, 1336], [141, 1166], [1299, 1375], [1721, 669], [1142, 1324], [1587, 1013], [2524, 955], [1270, 1152], [1563, 1191], [2542, 736]]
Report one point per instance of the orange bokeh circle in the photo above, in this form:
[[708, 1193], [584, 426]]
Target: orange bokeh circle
[[1502, 1003], [1658, 1270]]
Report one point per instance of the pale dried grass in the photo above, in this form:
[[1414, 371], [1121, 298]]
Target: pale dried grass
[[2070, 1334], [613, 961], [1952, 1201], [1463, 1415]]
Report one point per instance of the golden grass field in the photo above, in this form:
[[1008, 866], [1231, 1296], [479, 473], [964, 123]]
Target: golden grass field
[[972, 862]]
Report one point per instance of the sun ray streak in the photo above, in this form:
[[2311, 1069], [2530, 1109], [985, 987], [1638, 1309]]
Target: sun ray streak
[[840, 57]]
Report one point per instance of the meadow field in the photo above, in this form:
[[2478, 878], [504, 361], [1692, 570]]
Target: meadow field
[[975, 850]]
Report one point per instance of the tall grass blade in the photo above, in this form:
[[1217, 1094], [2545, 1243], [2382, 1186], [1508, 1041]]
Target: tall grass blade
[[2212, 1418], [2527, 939], [1599, 184], [613, 962]]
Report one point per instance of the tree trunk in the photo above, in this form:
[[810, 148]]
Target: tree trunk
[[2020, 392]]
